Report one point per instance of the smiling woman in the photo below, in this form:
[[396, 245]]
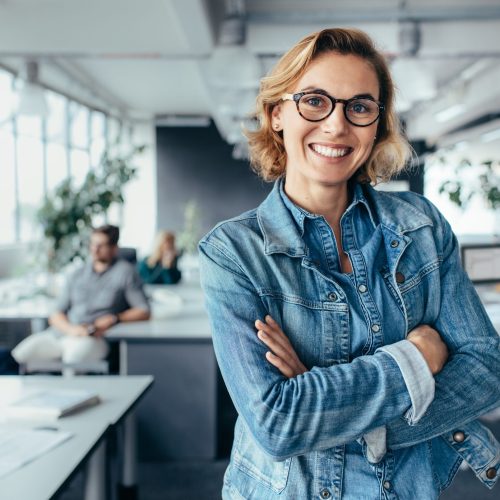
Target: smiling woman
[[335, 317]]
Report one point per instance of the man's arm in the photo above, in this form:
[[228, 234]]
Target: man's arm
[[60, 322]]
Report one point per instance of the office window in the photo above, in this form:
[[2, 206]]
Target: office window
[[477, 218], [79, 165], [7, 187], [38, 154], [31, 184], [57, 165], [97, 137], [57, 121]]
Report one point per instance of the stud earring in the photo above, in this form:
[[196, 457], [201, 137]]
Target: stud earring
[[276, 126]]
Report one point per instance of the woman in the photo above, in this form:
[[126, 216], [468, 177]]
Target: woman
[[354, 347], [160, 268]]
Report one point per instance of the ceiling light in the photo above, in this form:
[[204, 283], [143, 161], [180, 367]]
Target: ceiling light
[[409, 38], [449, 113], [31, 96]]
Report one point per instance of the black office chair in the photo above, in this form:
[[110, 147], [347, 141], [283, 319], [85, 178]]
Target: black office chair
[[128, 253]]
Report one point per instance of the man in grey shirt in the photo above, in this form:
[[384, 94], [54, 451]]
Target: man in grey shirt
[[98, 295]]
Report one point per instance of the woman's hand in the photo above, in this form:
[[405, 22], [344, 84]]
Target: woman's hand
[[429, 343], [283, 356]]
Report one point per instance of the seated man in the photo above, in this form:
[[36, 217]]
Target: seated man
[[98, 295]]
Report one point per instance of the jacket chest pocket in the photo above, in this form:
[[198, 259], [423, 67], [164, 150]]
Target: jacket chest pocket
[[317, 329], [415, 290]]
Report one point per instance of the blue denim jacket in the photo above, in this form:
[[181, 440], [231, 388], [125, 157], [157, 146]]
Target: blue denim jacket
[[294, 437]]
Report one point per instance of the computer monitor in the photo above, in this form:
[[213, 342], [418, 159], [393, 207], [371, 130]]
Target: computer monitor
[[481, 258]]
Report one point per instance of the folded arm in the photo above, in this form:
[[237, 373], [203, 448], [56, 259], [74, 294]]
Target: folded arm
[[469, 384], [319, 409]]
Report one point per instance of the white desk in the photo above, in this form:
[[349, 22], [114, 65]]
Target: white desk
[[47, 475], [176, 347]]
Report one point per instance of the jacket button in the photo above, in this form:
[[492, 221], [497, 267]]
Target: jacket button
[[362, 288], [332, 296], [375, 328], [394, 243], [458, 437], [325, 493], [400, 277], [386, 485], [491, 473]]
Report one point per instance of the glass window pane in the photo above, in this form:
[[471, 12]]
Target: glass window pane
[[7, 188], [79, 128], [79, 165], [30, 126], [98, 125], [56, 121], [57, 165], [98, 137], [30, 178], [114, 131], [7, 96]]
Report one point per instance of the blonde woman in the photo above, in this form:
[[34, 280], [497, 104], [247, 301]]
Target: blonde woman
[[160, 268], [353, 345]]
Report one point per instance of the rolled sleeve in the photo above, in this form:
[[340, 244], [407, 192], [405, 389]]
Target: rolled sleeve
[[134, 292], [417, 376]]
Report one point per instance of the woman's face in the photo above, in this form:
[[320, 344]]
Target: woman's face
[[327, 152]]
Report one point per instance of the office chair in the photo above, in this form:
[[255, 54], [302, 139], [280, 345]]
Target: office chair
[[128, 253]]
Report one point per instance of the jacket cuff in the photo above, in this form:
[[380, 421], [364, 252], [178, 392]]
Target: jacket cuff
[[417, 376]]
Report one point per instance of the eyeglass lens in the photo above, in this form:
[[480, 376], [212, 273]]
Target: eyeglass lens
[[316, 107]]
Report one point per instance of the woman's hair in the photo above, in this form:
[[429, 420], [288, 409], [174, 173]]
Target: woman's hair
[[391, 150], [161, 236]]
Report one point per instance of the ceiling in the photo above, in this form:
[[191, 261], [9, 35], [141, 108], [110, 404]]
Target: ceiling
[[184, 61]]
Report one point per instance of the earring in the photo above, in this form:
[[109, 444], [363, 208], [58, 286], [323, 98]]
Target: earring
[[276, 126]]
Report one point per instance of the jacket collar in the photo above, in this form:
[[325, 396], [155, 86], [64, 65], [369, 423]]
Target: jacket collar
[[282, 222]]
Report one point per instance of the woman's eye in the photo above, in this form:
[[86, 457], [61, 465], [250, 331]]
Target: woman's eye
[[314, 101], [359, 107], [363, 107]]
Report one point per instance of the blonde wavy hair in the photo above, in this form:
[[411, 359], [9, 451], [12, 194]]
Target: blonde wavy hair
[[156, 254], [391, 150]]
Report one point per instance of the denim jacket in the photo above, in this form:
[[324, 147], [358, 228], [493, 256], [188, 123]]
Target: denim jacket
[[292, 434]]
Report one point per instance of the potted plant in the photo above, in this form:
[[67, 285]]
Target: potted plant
[[484, 184], [66, 216]]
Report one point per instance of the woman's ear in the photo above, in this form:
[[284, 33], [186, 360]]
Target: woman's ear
[[276, 118]]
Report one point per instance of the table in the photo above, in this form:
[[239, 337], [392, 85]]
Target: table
[[46, 476], [177, 350]]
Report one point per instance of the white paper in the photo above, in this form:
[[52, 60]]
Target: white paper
[[19, 446]]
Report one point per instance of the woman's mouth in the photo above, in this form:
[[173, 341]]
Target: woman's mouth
[[331, 152]]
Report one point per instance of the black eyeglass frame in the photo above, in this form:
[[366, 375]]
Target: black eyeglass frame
[[298, 96]]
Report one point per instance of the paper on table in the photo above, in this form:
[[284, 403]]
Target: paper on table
[[19, 446]]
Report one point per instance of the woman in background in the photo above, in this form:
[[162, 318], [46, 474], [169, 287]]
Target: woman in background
[[160, 268]]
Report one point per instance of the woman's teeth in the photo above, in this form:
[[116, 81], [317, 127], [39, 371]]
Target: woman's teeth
[[330, 152]]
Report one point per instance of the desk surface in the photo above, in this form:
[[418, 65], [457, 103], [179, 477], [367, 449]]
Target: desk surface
[[43, 477]]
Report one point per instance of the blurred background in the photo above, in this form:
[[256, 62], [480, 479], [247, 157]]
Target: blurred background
[[132, 112]]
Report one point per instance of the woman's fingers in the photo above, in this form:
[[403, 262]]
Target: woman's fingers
[[282, 354], [276, 334], [278, 362]]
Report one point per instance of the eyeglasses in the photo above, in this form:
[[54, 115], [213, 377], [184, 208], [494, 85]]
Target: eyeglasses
[[318, 105]]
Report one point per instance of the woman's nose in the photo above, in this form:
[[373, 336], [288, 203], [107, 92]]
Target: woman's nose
[[336, 123]]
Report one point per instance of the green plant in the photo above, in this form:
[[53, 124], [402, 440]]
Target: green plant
[[67, 215], [190, 234], [485, 183]]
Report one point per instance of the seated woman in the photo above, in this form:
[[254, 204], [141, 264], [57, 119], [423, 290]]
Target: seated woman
[[160, 268]]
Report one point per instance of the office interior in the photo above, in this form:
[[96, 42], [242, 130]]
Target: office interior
[[177, 79]]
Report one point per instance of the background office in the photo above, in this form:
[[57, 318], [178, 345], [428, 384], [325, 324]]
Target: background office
[[181, 76]]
